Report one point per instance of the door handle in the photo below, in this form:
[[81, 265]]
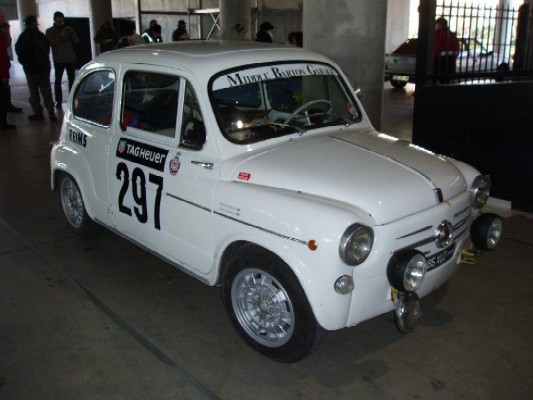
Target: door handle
[[203, 164]]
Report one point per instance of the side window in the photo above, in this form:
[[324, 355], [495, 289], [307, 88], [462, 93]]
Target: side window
[[150, 102], [93, 100], [192, 127]]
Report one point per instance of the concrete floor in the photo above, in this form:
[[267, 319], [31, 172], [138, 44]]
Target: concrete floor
[[104, 319]]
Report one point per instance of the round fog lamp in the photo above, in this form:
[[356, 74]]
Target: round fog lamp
[[486, 231], [406, 270], [407, 313]]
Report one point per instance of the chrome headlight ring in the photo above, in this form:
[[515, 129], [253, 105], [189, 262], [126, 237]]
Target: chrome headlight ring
[[480, 191], [356, 244]]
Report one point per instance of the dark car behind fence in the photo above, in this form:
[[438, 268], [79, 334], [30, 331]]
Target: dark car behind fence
[[482, 115]]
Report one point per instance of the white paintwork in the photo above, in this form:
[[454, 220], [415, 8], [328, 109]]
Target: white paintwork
[[278, 193]]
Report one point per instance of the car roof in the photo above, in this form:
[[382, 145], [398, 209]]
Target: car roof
[[209, 57]]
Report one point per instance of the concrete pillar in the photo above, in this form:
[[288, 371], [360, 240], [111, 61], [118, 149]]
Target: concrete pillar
[[99, 12], [25, 8], [235, 19], [352, 33]]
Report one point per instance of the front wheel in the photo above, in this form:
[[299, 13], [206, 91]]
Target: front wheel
[[74, 209], [268, 307]]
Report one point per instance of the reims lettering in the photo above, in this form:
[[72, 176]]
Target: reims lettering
[[77, 137]]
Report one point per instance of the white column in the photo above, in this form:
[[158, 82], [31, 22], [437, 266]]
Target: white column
[[25, 8], [235, 19], [99, 12], [352, 33]]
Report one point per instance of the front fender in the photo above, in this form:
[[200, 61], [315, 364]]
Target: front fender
[[284, 222]]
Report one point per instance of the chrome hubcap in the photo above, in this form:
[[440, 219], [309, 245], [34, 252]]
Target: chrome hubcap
[[72, 203], [262, 307]]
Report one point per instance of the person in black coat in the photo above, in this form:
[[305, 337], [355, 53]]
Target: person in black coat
[[33, 51], [265, 33]]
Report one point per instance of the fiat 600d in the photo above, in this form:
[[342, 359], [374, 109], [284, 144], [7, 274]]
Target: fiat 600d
[[254, 168]]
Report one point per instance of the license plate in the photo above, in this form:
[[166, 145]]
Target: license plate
[[400, 78], [436, 260]]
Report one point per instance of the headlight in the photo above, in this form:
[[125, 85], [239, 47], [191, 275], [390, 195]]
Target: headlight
[[480, 190], [356, 243], [486, 231], [406, 270]]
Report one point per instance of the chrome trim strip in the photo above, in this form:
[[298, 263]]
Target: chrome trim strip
[[461, 212], [292, 239], [415, 232], [188, 202]]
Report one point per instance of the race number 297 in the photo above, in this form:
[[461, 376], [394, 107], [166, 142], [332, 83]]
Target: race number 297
[[138, 191]]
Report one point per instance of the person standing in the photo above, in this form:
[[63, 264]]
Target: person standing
[[5, 28], [181, 32], [445, 51], [106, 37], [153, 34], [33, 52], [62, 40], [265, 33], [4, 74], [519, 59]]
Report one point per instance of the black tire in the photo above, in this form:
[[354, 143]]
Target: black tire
[[251, 278], [74, 209], [398, 84]]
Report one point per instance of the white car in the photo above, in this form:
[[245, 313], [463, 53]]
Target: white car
[[474, 59], [253, 167]]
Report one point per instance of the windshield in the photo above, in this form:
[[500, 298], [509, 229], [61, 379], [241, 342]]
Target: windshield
[[260, 103]]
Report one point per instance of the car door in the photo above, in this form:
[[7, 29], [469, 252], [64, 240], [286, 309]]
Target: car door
[[88, 127], [162, 173]]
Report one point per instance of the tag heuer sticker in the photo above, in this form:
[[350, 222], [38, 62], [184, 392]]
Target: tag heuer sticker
[[175, 164]]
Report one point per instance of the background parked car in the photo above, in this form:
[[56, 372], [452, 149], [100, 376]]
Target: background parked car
[[400, 65]]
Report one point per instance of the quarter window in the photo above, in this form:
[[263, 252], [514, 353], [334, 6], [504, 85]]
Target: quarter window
[[93, 100], [192, 126], [150, 102]]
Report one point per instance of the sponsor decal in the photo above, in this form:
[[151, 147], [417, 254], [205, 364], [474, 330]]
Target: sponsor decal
[[77, 137], [174, 165], [230, 210], [262, 74], [244, 176], [142, 153]]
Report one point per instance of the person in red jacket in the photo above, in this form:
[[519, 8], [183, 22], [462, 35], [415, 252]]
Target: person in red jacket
[[445, 51], [4, 74]]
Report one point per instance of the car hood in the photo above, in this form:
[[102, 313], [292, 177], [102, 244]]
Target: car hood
[[384, 176]]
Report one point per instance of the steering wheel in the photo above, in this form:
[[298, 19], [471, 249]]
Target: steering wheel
[[304, 107]]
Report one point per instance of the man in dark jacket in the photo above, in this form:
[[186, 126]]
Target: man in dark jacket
[[33, 51], [153, 34], [62, 39], [265, 32]]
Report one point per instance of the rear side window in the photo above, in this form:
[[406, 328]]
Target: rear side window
[[93, 100], [193, 134], [150, 102]]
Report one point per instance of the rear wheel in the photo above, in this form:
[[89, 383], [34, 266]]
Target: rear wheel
[[74, 209], [398, 84], [268, 307]]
